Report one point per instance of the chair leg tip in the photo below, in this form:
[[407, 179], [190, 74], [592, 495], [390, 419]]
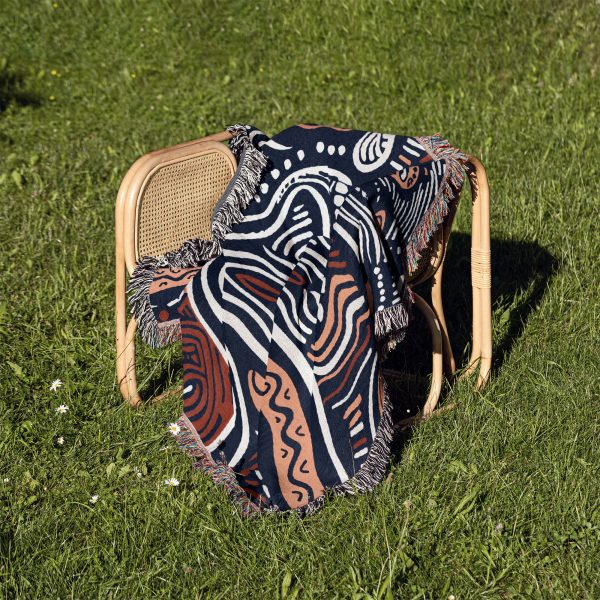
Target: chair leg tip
[[135, 401]]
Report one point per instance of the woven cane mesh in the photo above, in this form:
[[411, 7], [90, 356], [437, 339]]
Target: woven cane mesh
[[177, 203]]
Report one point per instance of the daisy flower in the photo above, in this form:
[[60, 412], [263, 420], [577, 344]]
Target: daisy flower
[[62, 409], [172, 482], [93, 499], [60, 441], [174, 428], [57, 383]]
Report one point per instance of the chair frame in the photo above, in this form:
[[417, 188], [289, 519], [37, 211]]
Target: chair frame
[[126, 218]]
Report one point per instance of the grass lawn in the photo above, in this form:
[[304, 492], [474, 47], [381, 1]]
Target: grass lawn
[[498, 498]]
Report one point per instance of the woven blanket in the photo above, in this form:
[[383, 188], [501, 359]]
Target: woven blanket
[[287, 312]]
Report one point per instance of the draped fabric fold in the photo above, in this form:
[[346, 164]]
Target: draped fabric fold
[[285, 315]]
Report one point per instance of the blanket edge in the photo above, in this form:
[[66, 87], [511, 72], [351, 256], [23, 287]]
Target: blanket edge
[[439, 149]]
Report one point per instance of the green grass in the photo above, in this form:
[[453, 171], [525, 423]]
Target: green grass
[[496, 499]]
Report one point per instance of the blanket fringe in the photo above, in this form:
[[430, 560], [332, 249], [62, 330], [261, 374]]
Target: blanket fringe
[[391, 319], [139, 299], [392, 323], [220, 472], [449, 191], [194, 253], [373, 469], [252, 163], [169, 332]]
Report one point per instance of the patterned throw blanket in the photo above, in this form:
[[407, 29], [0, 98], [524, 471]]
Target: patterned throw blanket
[[286, 314]]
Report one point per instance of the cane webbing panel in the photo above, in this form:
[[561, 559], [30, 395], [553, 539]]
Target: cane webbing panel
[[176, 204]]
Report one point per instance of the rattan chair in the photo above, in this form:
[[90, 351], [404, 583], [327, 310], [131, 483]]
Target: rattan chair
[[168, 196]]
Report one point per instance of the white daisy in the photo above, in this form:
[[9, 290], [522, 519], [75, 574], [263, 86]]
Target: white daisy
[[93, 499], [62, 409], [174, 428], [172, 482], [60, 441], [57, 383], [6, 480]]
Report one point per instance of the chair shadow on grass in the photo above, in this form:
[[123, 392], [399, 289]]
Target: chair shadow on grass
[[12, 90], [167, 383], [521, 272]]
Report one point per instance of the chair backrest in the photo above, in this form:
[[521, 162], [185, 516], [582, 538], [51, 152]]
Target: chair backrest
[[168, 197]]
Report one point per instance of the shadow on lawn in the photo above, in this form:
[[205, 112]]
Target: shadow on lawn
[[162, 384], [12, 90], [520, 274]]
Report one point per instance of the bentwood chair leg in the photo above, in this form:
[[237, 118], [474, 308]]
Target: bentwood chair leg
[[481, 266], [475, 237], [121, 363], [125, 334], [126, 376], [438, 307], [134, 397], [121, 315], [121, 358], [481, 354], [436, 342]]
